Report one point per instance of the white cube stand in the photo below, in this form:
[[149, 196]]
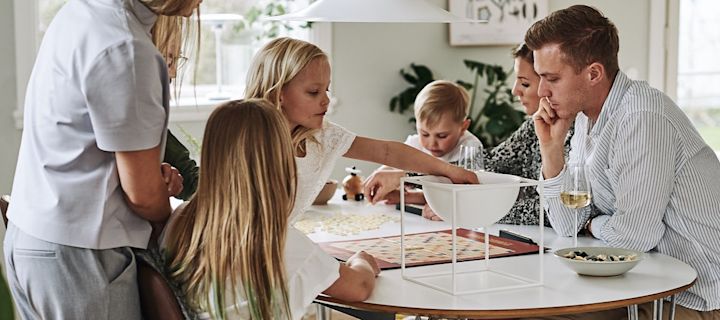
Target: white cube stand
[[485, 279]]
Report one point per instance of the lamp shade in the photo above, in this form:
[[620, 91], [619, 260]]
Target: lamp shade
[[372, 11]]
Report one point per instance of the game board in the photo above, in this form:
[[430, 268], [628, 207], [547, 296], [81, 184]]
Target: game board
[[428, 248]]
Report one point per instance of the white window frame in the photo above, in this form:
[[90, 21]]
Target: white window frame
[[663, 46], [25, 16]]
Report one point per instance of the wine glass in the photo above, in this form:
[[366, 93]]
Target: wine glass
[[575, 192], [471, 158]]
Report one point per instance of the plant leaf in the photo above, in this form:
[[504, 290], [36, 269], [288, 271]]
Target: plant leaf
[[423, 73], [468, 86], [408, 77]]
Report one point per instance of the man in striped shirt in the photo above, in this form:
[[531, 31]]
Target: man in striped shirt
[[655, 182]]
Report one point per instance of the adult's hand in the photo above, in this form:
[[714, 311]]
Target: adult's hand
[[173, 179], [551, 131]]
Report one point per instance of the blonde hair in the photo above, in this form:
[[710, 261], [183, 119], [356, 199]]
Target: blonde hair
[[276, 64], [439, 98], [232, 232], [173, 34]]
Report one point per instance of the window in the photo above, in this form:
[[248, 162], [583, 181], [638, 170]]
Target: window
[[240, 39], [698, 69]]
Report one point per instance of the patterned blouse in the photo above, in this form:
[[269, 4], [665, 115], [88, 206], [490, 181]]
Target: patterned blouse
[[520, 155]]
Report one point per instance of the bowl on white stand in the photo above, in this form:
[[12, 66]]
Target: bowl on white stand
[[478, 205]]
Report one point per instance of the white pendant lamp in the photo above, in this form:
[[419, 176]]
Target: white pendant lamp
[[372, 11]]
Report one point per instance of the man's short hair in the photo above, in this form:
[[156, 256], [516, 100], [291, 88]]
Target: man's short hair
[[584, 34], [441, 97]]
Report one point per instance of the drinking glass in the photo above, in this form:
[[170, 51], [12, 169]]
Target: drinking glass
[[471, 158], [575, 192]]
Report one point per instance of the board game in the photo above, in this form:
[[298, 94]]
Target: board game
[[429, 248]]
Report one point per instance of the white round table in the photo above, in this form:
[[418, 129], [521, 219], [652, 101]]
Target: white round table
[[563, 292]]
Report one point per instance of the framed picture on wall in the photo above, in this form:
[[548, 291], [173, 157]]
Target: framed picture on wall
[[507, 21]]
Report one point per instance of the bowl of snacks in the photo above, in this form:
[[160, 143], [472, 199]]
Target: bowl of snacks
[[599, 261], [478, 205]]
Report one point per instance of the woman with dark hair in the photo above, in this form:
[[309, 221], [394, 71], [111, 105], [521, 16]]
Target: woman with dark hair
[[520, 154]]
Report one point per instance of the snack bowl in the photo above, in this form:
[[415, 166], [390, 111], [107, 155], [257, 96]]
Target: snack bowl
[[624, 260], [478, 205]]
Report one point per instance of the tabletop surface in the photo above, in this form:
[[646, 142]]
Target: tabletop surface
[[563, 290]]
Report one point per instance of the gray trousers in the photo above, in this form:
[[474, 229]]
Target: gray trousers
[[53, 281]]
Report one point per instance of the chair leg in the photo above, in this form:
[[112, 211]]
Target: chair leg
[[671, 316], [658, 309], [632, 312]]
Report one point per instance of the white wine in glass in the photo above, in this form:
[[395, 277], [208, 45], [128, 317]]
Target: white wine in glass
[[575, 192], [575, 199]]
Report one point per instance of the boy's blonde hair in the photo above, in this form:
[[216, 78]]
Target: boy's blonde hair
[[276, 64], [231, 235], [439, 98]]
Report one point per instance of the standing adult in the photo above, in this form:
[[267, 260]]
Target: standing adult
[[655, 182], [89, 178]]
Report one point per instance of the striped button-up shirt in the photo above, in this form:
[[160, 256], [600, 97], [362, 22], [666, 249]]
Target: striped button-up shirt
[[655, 184]]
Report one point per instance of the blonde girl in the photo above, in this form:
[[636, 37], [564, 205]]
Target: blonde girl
[[96, 113], [295, 76], [226, 244]]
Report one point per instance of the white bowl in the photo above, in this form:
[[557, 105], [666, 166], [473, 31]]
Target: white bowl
[[477, 205], [600, 268]]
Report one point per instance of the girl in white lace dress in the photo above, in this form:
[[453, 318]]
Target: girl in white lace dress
[[295, 76]]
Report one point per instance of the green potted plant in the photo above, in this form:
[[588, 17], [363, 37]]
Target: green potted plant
[[492, 122]]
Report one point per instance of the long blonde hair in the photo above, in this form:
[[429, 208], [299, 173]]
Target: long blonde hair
[[232, 232], [175, 36], [276, 64]]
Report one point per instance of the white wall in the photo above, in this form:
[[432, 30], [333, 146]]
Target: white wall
[[9, 136], [366, 61]]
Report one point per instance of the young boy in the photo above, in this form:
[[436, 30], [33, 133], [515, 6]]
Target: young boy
[[441, 113]]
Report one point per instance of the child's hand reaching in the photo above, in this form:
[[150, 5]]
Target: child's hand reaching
[[460, 175], [366, 259], [380, 183], [429, 214]]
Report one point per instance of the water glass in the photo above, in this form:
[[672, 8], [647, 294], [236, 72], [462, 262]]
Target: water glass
[[471, 158]]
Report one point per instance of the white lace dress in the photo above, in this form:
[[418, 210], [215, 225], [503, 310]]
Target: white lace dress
[[317, 165]]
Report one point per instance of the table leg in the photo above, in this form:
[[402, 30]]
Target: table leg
[[658, 309], [323, 312], [672, 308], [632, 312]]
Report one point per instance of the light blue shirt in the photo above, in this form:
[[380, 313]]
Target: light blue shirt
[[98, 86], [655, 184]]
